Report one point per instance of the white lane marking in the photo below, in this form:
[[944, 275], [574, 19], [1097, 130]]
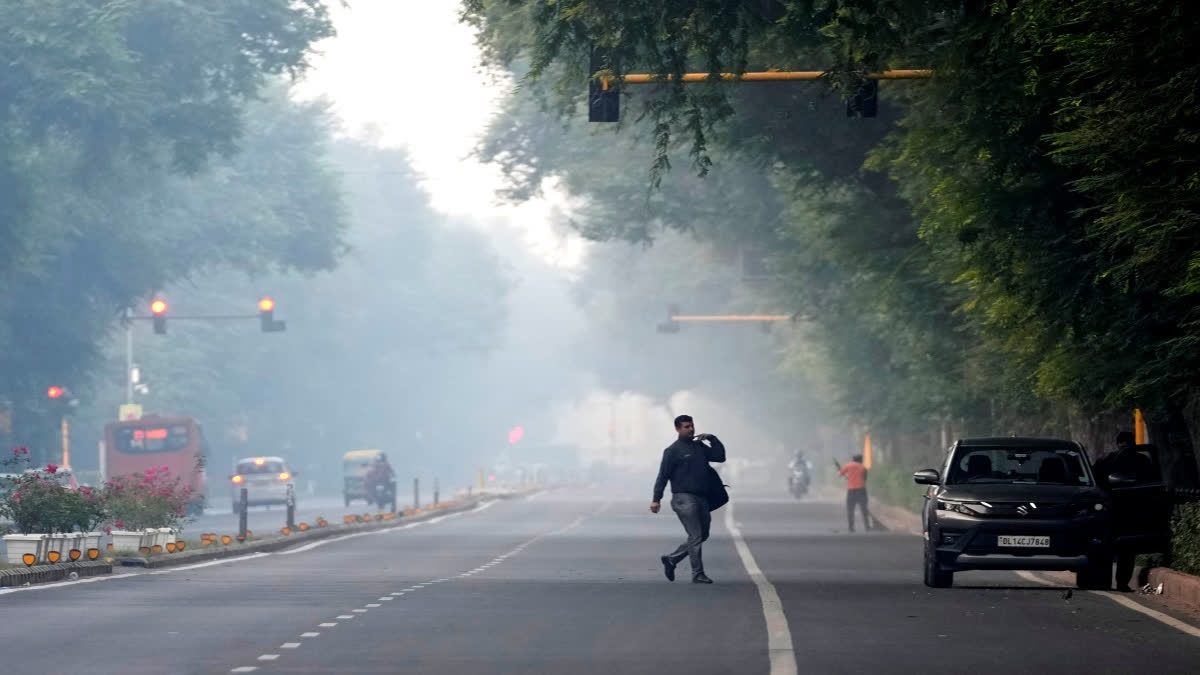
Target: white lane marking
[[359, 611], [268, 657], [779, 635], [310, 635], [376, 604], [343, 617], [244, 669], [210, 563], [290, 645], [398, 593], [1120, 599], [387, 597], [326, 625], [410, 589]]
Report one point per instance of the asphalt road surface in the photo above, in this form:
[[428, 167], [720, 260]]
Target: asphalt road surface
[[569, 582]]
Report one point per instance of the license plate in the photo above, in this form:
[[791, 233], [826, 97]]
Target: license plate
[[1023, 542]]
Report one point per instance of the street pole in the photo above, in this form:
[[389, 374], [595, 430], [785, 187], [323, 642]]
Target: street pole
[[66, 444], [291, 506], [245, 498], [416, 493], [128, 357]]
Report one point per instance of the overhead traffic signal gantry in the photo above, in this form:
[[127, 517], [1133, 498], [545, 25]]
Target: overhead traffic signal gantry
[[604, 92]]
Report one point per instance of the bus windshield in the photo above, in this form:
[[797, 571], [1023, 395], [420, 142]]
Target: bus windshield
[[141, 440]]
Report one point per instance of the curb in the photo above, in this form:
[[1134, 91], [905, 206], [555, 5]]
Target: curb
[[57, 572], [1177, 585], [895, 518]]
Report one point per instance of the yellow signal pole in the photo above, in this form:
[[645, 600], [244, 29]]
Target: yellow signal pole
[[1139, 427], [771, 76]]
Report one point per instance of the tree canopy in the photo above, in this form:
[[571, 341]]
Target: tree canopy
[[1019, 228]]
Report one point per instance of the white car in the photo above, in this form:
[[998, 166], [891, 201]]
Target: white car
[[266, 480]]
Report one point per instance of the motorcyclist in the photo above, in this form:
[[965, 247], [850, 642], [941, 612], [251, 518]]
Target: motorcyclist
[[800, 475], [380, 475]]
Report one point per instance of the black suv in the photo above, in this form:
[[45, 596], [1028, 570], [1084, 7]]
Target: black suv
[[1029, 504]]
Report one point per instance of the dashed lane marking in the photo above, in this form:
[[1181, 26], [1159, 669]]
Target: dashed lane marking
[[326, 625], [268, 657], [290, 645], [310, 635], [244, 669]]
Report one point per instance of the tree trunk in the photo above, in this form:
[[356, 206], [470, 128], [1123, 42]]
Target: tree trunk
[[1172, 434]]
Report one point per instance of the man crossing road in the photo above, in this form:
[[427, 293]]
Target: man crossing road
[[685, 465]]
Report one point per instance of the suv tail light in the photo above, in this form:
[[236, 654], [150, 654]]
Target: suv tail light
[[237, 479], [284, 476]]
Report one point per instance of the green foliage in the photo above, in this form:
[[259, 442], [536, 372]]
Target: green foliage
[[109, 105], [893, 485], [1185, 539], [1038, 241]]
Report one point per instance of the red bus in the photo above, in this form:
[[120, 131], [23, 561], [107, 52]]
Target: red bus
[[177, 443]]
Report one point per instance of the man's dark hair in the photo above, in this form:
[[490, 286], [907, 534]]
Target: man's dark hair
[[681, 419], [1126, 436], [857, 458]]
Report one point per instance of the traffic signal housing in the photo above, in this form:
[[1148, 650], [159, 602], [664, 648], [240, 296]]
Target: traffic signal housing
[[865, 101], [266, 315], [55, 392], [604, 99], [159, 309]]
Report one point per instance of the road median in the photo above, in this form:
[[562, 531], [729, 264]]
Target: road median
[[45, 573]]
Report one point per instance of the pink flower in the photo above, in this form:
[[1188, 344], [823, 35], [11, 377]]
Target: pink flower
[[51, 468], [120, 525], [108, 530]]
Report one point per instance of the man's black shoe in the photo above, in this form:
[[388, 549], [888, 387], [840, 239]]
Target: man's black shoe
[[668, 568], [701, 579]]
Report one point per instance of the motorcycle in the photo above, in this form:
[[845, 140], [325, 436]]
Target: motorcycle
[[798, 482], [383, 494]]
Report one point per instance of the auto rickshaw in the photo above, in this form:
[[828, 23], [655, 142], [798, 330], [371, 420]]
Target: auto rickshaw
[[355, 465]]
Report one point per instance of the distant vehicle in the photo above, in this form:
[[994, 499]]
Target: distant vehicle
[[355, 465], [151, 442], [266, 480], [1022, 504], [799, 476]]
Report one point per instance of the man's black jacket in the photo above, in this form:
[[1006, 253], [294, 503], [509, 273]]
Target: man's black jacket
[[685, 464]]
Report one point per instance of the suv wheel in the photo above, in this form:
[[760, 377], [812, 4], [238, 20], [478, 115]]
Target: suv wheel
[[1097, 575], [935, 576]]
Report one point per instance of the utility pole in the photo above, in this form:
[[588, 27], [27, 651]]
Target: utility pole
[[128, 355]]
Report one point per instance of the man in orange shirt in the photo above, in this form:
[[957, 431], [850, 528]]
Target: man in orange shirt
[[856, 490]]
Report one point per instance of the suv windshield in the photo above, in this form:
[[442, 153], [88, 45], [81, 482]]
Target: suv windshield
[[1042, 466]]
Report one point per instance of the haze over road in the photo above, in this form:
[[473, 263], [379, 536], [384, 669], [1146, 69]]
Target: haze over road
[[568, 581]]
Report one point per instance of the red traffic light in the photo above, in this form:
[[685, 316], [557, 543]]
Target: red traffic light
[[266, 305], [158, 306], [55, 392]]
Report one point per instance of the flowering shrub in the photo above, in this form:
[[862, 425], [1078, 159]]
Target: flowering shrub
[[138, 501], [38, 503]]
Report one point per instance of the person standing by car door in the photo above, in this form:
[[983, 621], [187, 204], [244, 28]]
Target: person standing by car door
[[685, 465], [1126, 462], [855, 474]]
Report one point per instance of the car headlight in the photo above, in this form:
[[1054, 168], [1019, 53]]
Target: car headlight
[[957, 507]]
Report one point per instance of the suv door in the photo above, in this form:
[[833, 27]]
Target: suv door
[[1141, 509]]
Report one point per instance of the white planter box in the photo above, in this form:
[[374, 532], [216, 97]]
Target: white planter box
[[124, 540], [164, 536], [18, 545], [90, 540]]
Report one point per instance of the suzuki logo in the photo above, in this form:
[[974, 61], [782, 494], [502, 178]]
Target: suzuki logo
[[1022, 510]]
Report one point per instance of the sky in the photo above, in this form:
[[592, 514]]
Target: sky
[[411, 71]]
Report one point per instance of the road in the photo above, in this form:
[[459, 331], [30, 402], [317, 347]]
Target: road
[[569, 582]]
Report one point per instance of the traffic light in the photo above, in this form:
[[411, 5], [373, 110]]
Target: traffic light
[[670, 325], [266, 314], [159, 309], [865, 101], [55, 392], [604, 99]]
